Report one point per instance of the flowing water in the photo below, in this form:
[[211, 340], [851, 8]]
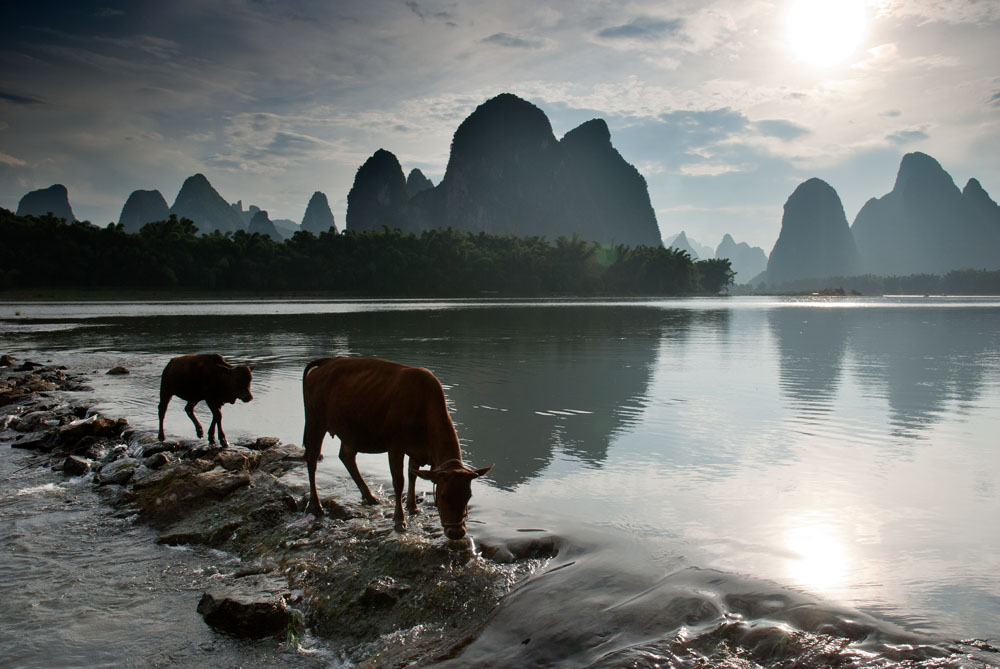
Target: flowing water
[[745, 459]]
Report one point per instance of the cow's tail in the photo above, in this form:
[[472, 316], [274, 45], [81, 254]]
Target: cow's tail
[[309, 368]]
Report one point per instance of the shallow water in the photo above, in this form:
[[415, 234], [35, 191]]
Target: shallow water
[[838, 450]]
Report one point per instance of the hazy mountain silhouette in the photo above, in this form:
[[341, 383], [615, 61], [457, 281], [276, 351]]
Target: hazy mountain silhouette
[[926, 225], [378, 196], [815, 240], [318, 217], [52, 200], [681, 243], [416, 182], [746, 261], [201, 203], [142, 207], [507, 174], [261, 224]]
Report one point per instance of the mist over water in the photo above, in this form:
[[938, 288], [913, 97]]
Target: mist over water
[[838, 452]]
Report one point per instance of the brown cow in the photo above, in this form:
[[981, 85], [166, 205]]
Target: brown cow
[[378, 406], [204, 376]]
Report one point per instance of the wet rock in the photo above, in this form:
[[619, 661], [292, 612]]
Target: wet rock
[[29, 365], [34, 441], [95, 426], [6, 360], [253, 619], [118, 472], [177, 497], [117, 371], [262, 443], [158, 460], [514, 550], [155, 446], [212, 536], [238, 459], [383, 592], [74, 465], [281, 458]]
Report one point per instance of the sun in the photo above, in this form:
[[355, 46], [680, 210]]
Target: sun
[[823, 33]]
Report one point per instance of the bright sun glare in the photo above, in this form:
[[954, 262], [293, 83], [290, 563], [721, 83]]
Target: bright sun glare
[[822, 33]]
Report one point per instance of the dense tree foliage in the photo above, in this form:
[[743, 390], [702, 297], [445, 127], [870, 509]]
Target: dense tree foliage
[[47, 252]]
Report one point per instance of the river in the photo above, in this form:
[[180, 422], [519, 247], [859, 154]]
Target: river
[[839, 454]]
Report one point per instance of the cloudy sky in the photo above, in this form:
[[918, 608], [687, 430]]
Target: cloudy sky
[[725, 106]]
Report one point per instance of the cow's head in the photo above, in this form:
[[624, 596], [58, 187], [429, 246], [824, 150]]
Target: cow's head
[[452, 490], [242, 376]]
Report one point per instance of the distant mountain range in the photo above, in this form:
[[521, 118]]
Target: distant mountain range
[[925, 225], [746, 261]]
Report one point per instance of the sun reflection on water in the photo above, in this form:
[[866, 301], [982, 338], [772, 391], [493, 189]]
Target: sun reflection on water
[[820, 558]]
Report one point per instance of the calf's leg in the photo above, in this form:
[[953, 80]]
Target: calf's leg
[[411, 497], [189, 410], [216, 423]]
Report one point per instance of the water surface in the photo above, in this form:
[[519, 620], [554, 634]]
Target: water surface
[[843, 450]]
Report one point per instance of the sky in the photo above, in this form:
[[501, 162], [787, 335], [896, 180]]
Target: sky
[[724, 106]]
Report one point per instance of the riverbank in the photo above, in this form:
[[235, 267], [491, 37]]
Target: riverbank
[[379, 597]]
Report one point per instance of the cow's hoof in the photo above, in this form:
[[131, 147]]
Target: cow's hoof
[[373, 501], [400, 527]]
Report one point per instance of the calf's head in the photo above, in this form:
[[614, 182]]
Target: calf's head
[[241, 378], [452, 490]]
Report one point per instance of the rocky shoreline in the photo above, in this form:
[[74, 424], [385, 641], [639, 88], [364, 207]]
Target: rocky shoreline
[[384, 598]]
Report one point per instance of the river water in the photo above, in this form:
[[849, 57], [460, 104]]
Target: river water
[[749, 457]]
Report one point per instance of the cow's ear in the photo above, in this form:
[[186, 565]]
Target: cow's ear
[[484, 471], [427, 474], [252, 366]]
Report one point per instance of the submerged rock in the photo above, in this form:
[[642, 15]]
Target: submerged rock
[[254, 619]]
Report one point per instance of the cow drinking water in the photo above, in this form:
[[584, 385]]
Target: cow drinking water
[[204, 376], [378, 406]]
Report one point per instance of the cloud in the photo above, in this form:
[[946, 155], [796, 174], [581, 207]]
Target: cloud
[[6, 159], [995, 100], [645, 28], [907, 137], [511, 41], [785, 130], [19, 99]]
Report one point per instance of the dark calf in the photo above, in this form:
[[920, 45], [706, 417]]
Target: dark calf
[[204, 376]]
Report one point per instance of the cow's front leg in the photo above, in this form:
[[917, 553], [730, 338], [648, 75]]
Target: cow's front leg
[[348, 456], [398, 482], [217, 423], [189, 410], [411, 496]]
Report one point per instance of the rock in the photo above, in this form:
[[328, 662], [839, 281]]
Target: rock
[[6, 360], [214, 536], [177, 497], [74, 465], [118, 472], [142, 207], [95, 426], [236, 459], [117, 371], [253, 619], [262, 443], [383, 592], [158, 460]]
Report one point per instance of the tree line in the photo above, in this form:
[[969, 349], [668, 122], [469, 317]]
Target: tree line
[[171, 254], [955, 282]]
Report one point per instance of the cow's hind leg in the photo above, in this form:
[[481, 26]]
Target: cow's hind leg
[[348, 456], [162, 410], [189, 410], [216, 423], [312, 441], [398, 482]]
